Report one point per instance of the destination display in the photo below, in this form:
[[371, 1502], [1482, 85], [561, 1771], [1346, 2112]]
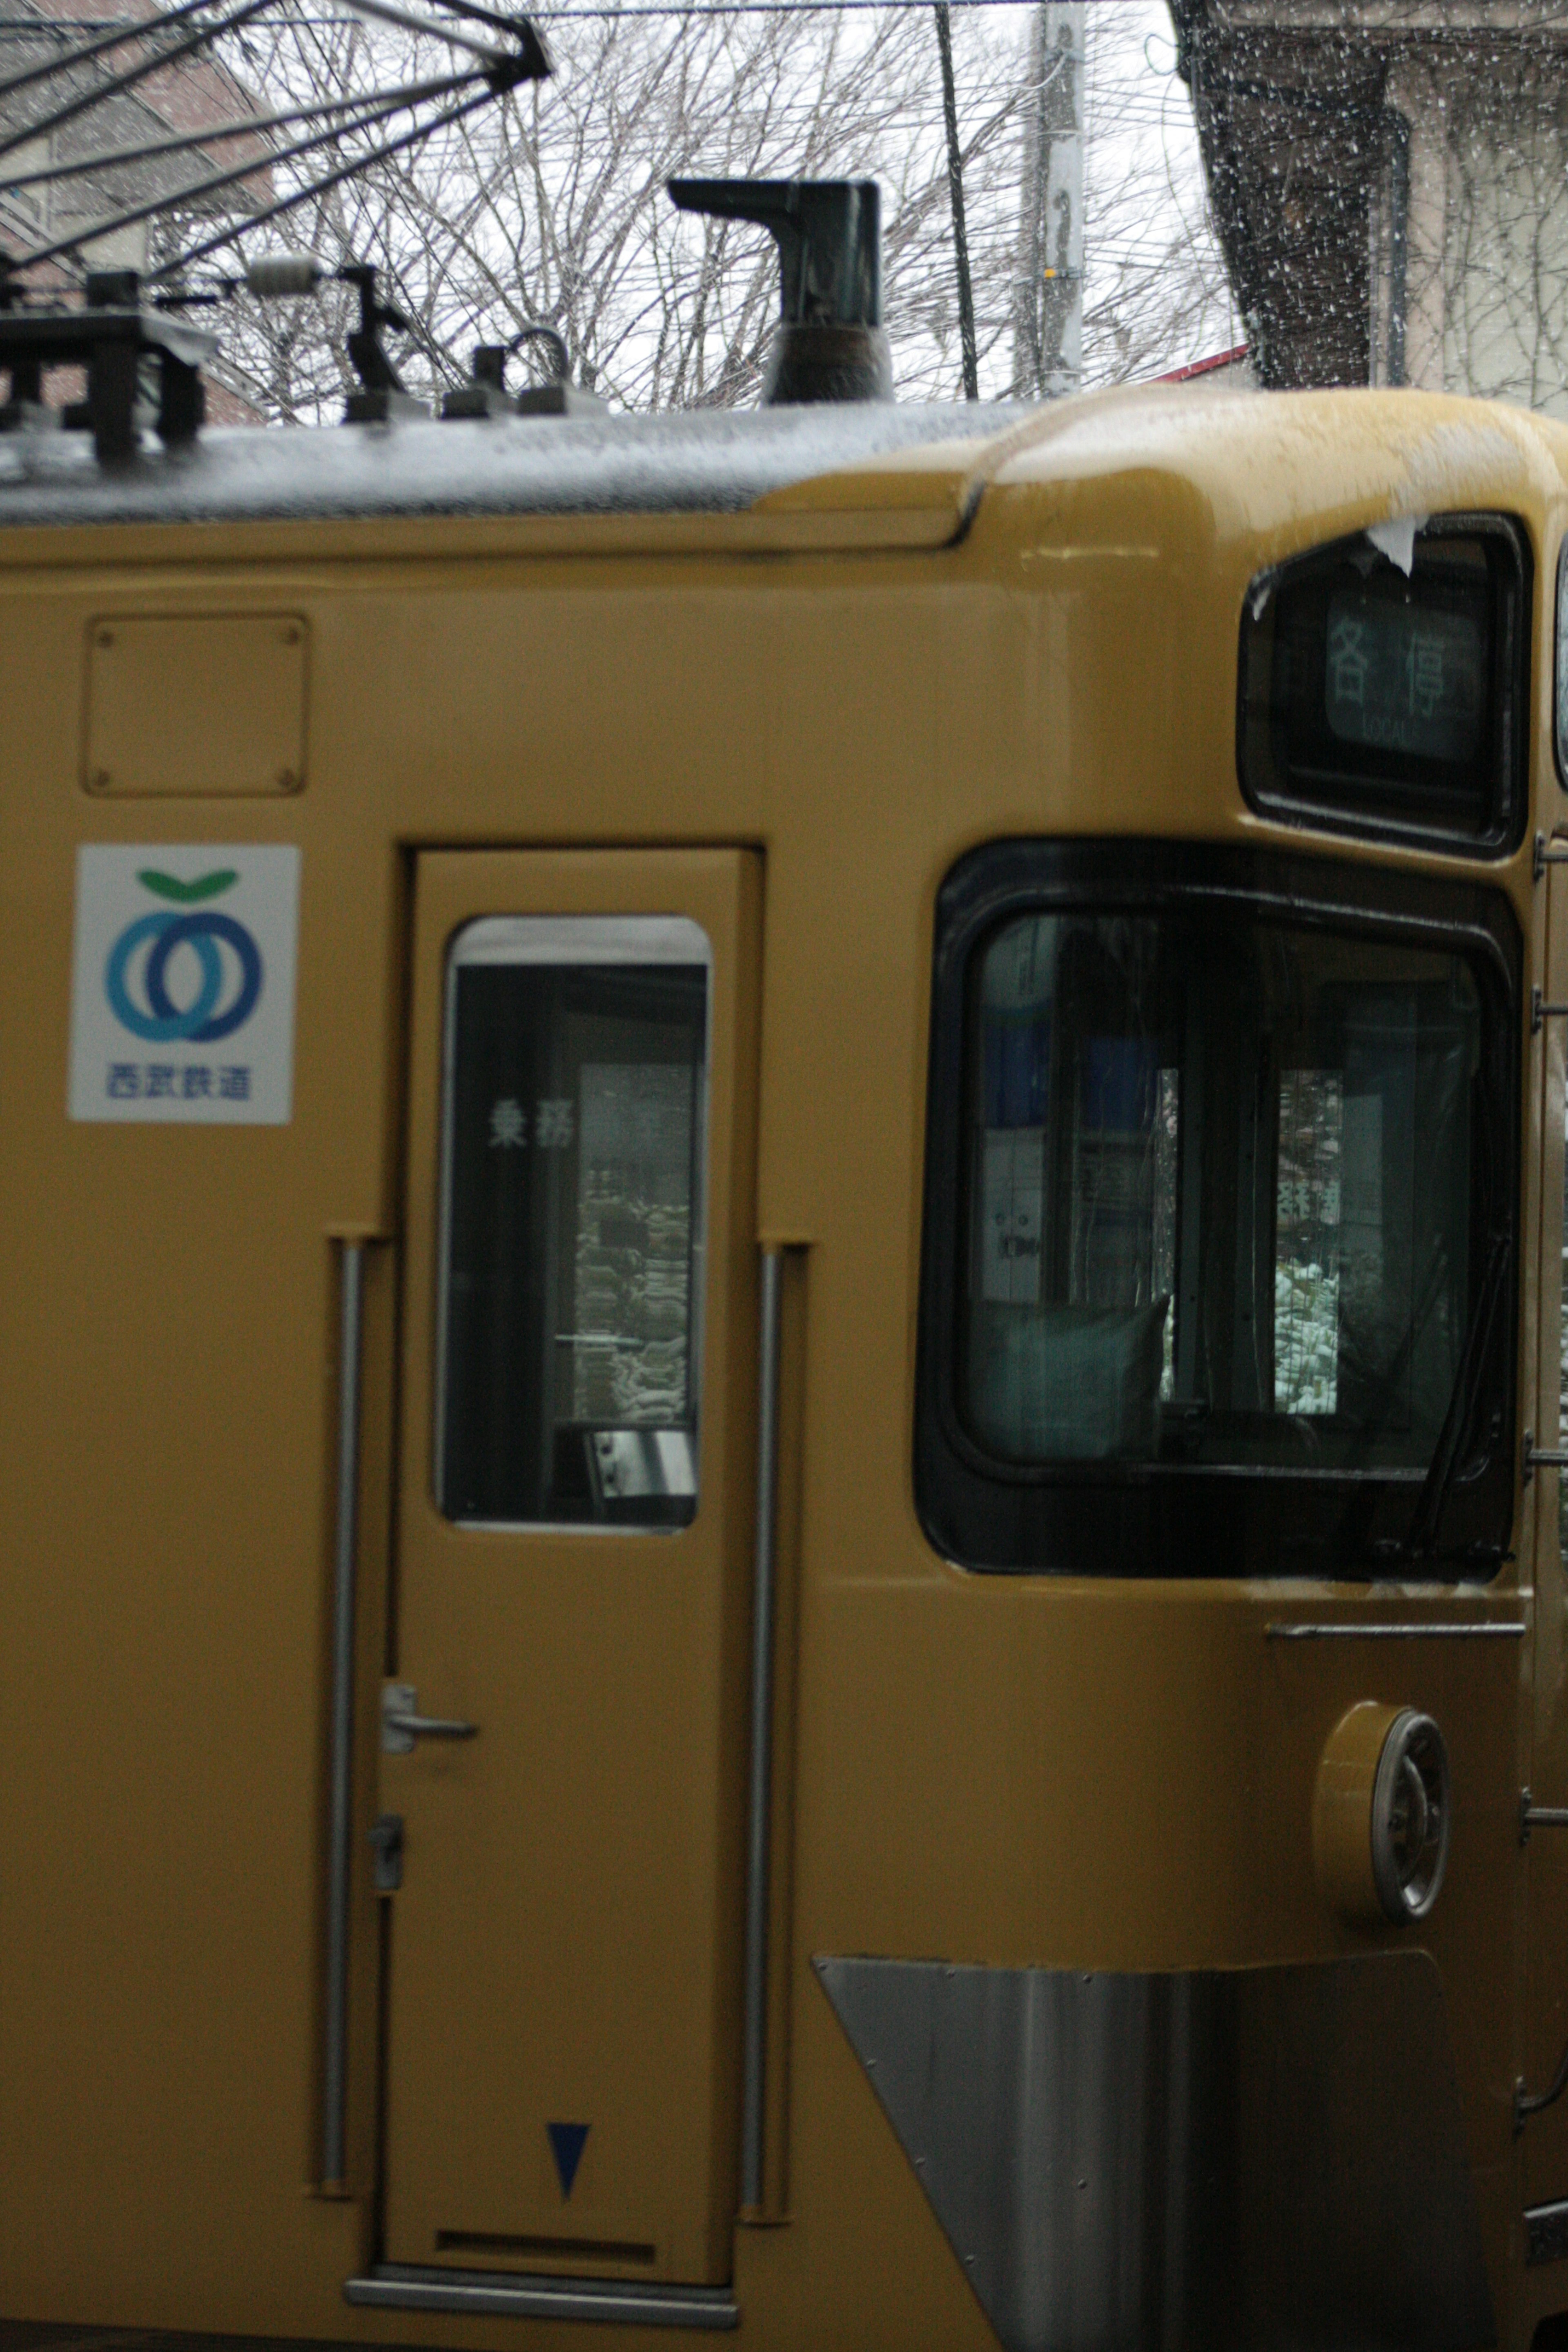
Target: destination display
[[1404, 676], [1383, 689]]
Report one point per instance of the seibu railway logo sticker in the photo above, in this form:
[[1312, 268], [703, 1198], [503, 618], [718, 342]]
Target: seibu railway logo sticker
[[183, 984]]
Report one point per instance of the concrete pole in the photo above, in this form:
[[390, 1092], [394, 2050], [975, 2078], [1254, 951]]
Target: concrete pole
[[1047, 334], [1414, 92]]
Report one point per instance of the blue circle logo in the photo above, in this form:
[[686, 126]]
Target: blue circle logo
[[140, 984]]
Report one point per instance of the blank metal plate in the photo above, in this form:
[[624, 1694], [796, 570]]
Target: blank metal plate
[[196, 704]]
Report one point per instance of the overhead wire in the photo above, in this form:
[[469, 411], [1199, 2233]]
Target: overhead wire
[[119, 83], [320, 187], [611, 9], [220, 134], [498, 69], [245, 170], [128, 29]]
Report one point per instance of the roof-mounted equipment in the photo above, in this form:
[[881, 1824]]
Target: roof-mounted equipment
[[142, 367], [485, 395], [829, 343], [382, 395]]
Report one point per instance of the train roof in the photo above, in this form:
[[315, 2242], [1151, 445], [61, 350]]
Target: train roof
[[701, 461], [872, 474]]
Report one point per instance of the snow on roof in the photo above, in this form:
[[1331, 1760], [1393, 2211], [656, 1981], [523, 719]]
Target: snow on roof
[[695, 461]]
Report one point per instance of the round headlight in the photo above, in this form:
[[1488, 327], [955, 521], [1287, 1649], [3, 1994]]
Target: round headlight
[[1381, 1815], [1410, 1816]]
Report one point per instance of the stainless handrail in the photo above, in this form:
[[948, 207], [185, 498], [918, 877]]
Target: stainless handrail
[[1533, 1457], [1489, 1629], [334, 2066], [1532, 1816], [763, 1565]]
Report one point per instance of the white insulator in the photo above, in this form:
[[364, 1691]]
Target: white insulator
[[284, 273]]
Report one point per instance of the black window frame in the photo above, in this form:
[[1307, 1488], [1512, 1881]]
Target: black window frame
[[1161, 1519], [1509, 720]]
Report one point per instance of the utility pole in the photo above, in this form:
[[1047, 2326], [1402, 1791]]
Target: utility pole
[[955, 193], [1047, 332]]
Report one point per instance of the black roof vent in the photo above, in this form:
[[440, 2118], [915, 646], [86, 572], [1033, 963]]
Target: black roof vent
[[829, 343]]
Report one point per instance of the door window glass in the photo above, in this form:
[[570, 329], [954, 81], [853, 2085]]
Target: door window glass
[[575, 1086]]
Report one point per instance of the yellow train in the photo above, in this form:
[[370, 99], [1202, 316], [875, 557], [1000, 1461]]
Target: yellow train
[[782, 1305]]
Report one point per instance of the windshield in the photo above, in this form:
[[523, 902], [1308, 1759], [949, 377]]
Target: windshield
[[1229, 1197], [1221, 1192]]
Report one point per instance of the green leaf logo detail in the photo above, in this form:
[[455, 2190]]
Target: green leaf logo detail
[[187, 894]]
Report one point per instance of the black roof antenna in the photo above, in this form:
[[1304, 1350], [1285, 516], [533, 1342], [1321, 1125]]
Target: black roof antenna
[[829, 343]]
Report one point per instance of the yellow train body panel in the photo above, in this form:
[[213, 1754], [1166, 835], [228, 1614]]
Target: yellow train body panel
[[786, 726]]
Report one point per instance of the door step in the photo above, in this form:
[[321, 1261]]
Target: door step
[[506, 2295]]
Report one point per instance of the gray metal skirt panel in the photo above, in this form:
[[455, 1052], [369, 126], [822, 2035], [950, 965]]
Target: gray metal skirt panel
[[1270, 2158]]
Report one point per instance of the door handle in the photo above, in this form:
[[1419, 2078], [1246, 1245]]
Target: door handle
[[401, 1724]]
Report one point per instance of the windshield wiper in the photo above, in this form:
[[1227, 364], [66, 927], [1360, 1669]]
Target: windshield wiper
[[1420, 1537]]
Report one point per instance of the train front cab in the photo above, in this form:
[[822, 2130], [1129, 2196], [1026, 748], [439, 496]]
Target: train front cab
[[1014, 1082]]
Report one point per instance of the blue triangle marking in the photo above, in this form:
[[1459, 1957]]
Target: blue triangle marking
[[566, 2141]]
